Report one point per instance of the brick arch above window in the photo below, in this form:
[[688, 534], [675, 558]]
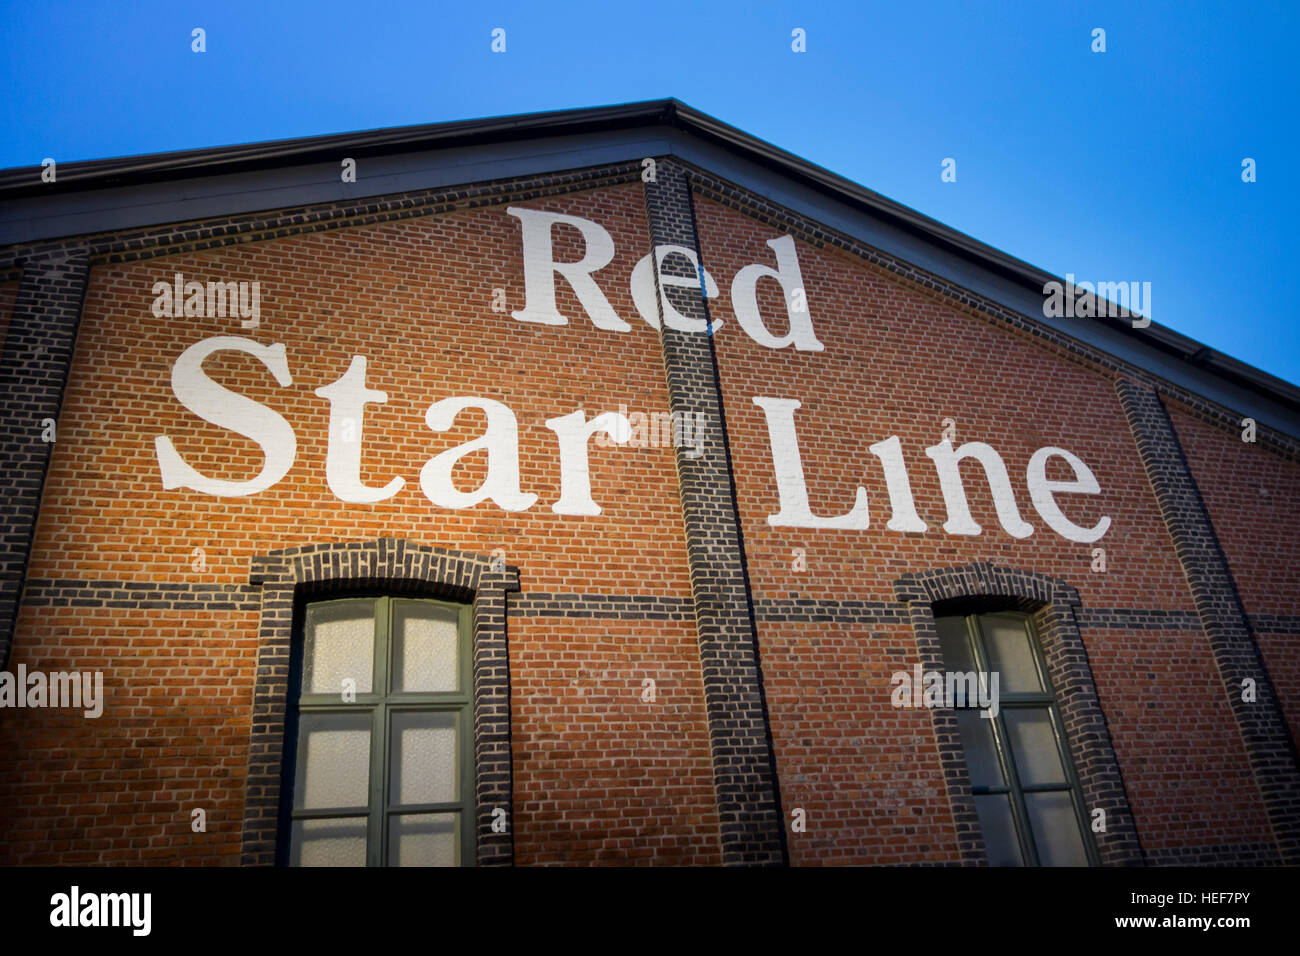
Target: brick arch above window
[[397, 566], [1051, 603], [981, 581]]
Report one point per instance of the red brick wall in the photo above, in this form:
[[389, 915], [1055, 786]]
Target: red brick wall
[[415, 299], [1253, 497], [897, 361], [599, 774]]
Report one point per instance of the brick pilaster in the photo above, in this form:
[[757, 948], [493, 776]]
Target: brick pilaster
[[1268, 743], [493, 775], [34, 366], [744, 765]]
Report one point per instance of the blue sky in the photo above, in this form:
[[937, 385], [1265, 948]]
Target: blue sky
[[1115, 166]]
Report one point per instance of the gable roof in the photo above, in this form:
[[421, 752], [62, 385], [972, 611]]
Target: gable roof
[[110, 194]]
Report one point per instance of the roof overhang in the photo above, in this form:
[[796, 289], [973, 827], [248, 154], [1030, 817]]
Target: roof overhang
[[135, 192]]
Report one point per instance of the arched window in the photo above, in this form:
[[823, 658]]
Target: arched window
[[379, 757], [1030, 806]]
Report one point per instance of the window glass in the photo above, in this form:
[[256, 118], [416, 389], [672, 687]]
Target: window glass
[[999, 830], [1056, 829], [955, 644], [333, 842], [981, 749], [381, 751], [425, 647], [1034, 745], [422, 765], [340, 645], [1023, 785], [423, 839], [1010, 654], [333, 761]]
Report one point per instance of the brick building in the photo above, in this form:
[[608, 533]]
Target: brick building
[[416, 506]]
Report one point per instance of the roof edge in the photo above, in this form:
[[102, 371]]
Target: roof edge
[[79, 176]]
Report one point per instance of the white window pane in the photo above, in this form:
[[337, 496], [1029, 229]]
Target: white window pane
[[999, 830], [1010, 653], [981, 751], [426, 647], [1056, 829], [422, 764], [339, 645], [340, 842], [1038, 760], [423, 839], [333, 761], [955, 644]]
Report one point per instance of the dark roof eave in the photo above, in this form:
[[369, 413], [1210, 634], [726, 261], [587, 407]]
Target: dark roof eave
[[208, 161]]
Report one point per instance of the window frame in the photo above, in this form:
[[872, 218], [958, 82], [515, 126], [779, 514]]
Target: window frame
[[1044, 699], [382, 705]]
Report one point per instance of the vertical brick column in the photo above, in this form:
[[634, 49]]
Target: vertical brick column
[[493, 789], [33, 371], [744, 766], [1269, 746]]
